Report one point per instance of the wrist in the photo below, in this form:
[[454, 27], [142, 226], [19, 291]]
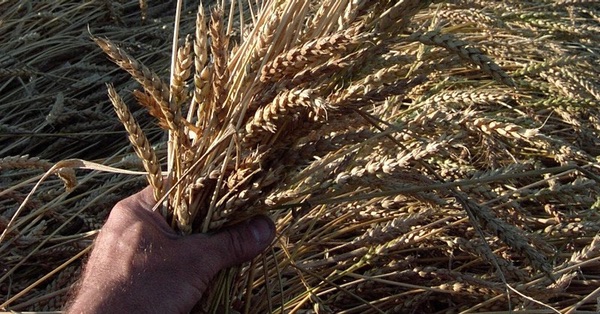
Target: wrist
[[89, 298], [103, 292]]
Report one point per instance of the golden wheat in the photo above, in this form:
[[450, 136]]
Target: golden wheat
[[400, 177], [139, 141]]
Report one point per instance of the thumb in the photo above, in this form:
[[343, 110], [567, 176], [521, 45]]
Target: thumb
[[239, 243]]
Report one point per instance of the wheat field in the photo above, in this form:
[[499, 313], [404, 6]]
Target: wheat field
[[416, 156]]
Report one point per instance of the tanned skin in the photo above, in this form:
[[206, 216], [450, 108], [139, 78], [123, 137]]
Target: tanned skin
[[140, 265]]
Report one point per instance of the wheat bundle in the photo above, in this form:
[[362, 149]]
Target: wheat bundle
[[426, 156]]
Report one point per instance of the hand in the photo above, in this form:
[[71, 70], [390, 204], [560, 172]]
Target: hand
[[139, 264]]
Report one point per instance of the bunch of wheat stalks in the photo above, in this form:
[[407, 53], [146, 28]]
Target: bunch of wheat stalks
[[415, 155]]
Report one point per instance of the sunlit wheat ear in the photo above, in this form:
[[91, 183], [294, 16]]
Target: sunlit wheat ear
[[147, 101], [462, 16], [219, 46], [265, 38], [183, 70], [466, 51], [202, 71], [284, 108], [150, 81], [331, 67], [586, 84], [140, 143], [398, 15], [310, 54]]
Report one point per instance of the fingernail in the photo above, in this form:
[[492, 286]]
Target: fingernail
[[262, 229]]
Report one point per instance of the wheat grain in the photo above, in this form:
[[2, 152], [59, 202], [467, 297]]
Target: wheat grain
[[183, 64], [311, 53], [202, 73], [587, 85], [24, 162], [398, 16], [490, 126], [465, 51], [324, 70], [561, 83], [10, 72], [473, 16], [147, 101], [263, 41], [144, 9], [574, 2], [469, 98], [508, 234], [218, 47], [284, 107], [140, 143], [354, 96], [388, 230], [152, 84], [309, 148], [536, 67], [68, 116]]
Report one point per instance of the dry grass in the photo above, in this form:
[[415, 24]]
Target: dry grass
[[416, 156]]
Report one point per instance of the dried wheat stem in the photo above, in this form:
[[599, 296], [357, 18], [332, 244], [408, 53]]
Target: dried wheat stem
[[324, 20]]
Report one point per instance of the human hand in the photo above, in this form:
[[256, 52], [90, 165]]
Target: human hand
[[140, 265]]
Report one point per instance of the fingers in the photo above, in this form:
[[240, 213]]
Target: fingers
[[143, 199], [234, 245], [242, 242], [228, 247], [138, 207]]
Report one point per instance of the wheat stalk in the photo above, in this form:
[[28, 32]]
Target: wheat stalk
[[414, 155]]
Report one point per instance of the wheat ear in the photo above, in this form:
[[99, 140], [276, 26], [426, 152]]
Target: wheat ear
[[313, 52], [139, 141], [151, 82], [466, 51], [202, 73]]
